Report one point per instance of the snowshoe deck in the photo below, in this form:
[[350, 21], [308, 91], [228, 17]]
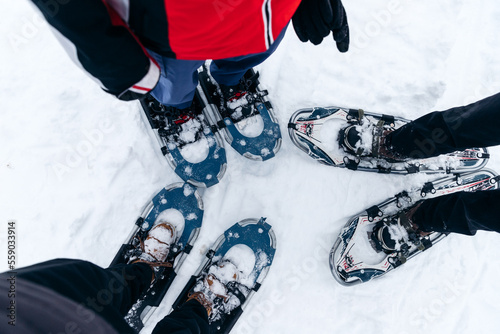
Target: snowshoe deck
[[184, 199], [353, 259], [260, 238], [305, 130], [201, 174], [261, 146]]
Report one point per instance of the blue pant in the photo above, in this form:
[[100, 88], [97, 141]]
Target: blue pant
[[179, 78]]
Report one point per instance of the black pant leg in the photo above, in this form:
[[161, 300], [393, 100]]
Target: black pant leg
[[109, 292], [463, 212], [475, 125], [191, 318]]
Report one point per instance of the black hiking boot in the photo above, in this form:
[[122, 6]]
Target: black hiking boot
[[394, 233], [178, 126], [369, 141], [239, 101]]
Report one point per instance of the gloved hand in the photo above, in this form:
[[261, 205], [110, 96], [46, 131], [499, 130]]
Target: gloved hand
[[314, 19]]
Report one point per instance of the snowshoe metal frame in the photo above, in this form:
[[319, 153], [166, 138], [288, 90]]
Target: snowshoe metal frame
[[262, 147], [184, 198], [202, 174], [350, 271], [258, 236], [305, 128]]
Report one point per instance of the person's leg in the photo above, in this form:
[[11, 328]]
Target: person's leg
[[463, 212], [109, 292], [475, 125], [229, 71], [190, 318], [178, 81]]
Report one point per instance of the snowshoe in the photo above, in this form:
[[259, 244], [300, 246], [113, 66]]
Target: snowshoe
[[331, 136], [180, 206], [383, 237], [186, 139], [243, 114], [232, 272]]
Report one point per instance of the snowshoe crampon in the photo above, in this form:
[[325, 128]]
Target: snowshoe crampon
[[354, 259], [180, 205], [251, 245], [255, 134], [316, 132], [200, 160]]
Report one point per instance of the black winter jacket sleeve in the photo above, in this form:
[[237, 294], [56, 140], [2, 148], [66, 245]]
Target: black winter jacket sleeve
[[99, 40]]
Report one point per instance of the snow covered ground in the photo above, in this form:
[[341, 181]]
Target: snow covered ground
[[77, 167]]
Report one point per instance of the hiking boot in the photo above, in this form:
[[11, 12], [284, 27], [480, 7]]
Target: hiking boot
[[238, 101], [394, 234], [179, 126], [369, 141], [220, 291], [155, 248]]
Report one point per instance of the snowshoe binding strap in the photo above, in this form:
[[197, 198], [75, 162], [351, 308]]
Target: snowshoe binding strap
[[175, 125], [235, 289], [355, 116], [392, 235], [383, 239], [374, 211], [246, 93], [351, 140], [348, 138]]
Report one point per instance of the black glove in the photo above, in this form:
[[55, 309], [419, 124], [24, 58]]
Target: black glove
[[314, 19]]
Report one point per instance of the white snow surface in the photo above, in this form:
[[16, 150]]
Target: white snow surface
[[77, 167]]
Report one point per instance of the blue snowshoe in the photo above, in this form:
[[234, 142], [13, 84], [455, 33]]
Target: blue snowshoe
[[186, 139], [232, 273], [179, 208]]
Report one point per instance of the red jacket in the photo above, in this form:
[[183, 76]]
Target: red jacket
[[109, 37], [216, 29]]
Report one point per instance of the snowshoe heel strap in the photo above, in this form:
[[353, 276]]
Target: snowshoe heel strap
[[234, 288]]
